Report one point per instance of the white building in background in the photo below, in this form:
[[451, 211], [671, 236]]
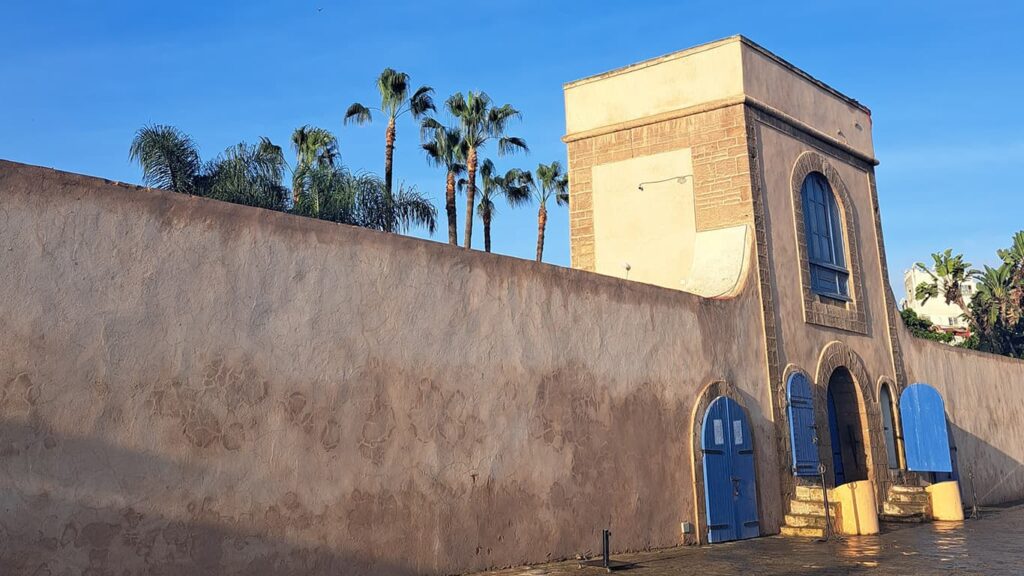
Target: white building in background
[[946, 317]]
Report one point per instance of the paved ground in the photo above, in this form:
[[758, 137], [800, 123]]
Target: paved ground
[[990, 545]]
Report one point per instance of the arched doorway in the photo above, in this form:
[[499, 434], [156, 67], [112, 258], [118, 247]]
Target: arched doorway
[[849, 452], [889, 426], [730, 489]]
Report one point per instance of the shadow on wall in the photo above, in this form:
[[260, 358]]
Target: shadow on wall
[[88, 530], [986, 471]]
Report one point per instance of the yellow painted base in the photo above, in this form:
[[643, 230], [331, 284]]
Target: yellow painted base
[[858, 513], [945, 499]]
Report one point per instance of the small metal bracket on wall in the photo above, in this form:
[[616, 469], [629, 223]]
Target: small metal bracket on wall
[[678, 179]]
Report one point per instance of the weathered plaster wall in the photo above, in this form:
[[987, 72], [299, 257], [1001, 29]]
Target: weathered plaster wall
[[984, 397], [192, 387], [854, 335]]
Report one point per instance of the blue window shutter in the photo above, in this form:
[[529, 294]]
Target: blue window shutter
[[802, 430], [925, 438], [824, 231], [836, 229]]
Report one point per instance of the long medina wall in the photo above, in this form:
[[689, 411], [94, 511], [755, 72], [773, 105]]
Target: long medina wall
[[193, 387]]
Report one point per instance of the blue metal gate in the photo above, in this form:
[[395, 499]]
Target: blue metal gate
[[803, 435], [925, 437], [730, 491]]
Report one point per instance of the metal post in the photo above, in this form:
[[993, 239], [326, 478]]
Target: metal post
[[605, 552], [824, 497], [974, 496]]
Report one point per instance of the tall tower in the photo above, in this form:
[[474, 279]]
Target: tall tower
[[660, 160]]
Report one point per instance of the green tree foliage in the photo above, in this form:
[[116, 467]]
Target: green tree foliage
[[922, 327], [314, 147], [249, 175], [168, 158], [493, 185], [395, 101], [252, 175], [480, 121], [336, 194], [551, 183], [996, 311], [445, 148]]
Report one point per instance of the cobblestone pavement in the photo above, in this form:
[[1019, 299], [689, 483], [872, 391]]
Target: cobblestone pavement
[[990, 545]]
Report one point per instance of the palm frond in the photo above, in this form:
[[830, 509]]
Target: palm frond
[[393, 87], [168, 158], [358, 113], [413, 209], [422, 101], [511, 145]]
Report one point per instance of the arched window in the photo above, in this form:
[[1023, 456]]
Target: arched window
[[829, 275]]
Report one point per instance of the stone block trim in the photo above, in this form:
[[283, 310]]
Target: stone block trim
[[892, 315], [721, 171], [850, 315]]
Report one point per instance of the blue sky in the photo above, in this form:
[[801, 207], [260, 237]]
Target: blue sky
[[943, 81]]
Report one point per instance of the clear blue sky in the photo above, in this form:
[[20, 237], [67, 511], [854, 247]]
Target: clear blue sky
[[944, 82]]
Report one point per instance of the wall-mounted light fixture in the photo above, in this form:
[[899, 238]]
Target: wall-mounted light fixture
[[678, 179]]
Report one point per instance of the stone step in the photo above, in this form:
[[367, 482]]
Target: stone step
[[913, 518], [810, 493], [906, 489], [904, 509], [806, 508], [909, 497], [802, 532], [805, 521]]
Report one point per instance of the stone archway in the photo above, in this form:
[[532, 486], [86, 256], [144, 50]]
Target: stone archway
[[704, 399], [888, 393], [840, 366]]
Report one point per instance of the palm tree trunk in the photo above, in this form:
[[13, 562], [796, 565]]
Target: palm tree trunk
[[389, 152], [470, 195], [542, 223], [971, 320], [449, 205], [486, 217]]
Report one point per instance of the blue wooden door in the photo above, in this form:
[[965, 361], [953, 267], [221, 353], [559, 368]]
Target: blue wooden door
[[925, 437], [730, 491], [803, 435], [837, 446]]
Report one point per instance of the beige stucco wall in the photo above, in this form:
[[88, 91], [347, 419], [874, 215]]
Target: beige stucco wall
[[729, 70], [652, 230], [706, 73], [772, 81], [192, 387]]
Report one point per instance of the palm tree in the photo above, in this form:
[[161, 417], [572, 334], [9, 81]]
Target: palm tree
[[997, 308], [332, 192], [480, 122], [947, 278], [551, 182], [492, 185], [394, 102], [445, 148], [249, 175], [168, 158], [313, 146]]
